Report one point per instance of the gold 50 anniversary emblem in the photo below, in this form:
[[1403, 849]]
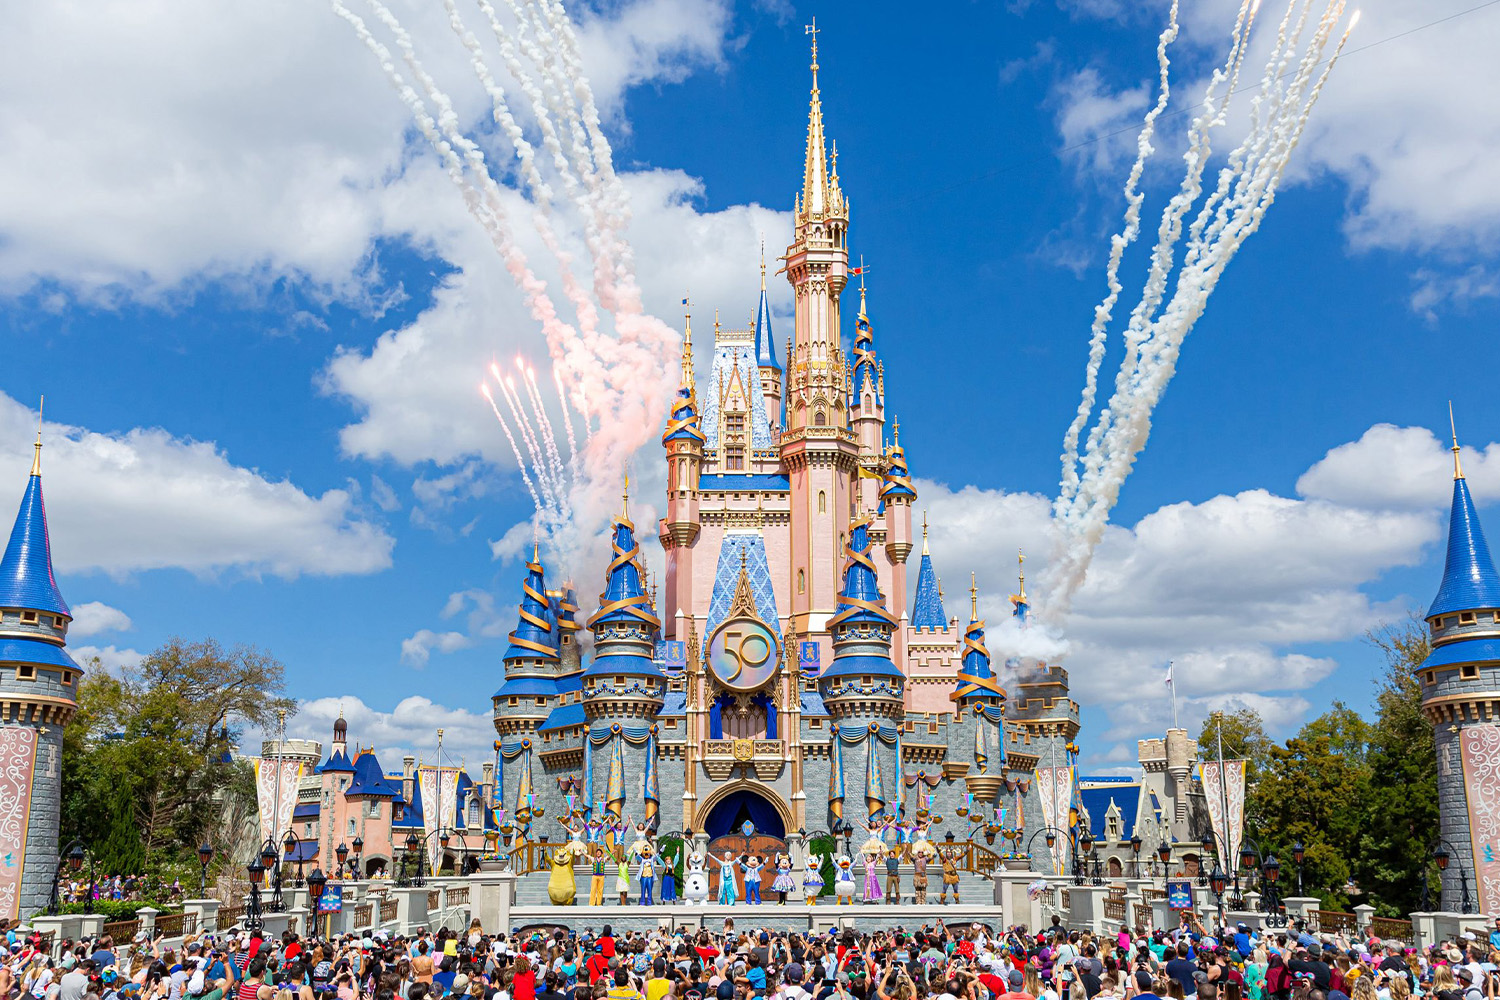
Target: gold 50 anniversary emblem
[[742, 654]]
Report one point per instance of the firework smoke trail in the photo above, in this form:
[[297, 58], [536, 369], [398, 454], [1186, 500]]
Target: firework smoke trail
[[567, 422], [528, 438], [1102, 312], [541, 194], [1233, 211], [520, 462], [549, 436]]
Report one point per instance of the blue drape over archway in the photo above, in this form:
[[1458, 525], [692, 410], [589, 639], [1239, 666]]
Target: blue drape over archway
[[734, 809]]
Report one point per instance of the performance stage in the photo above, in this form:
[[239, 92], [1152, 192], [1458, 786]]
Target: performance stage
[[797, 917]]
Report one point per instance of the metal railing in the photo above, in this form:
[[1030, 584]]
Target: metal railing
[[1332, 921], [433, 898], [123, 930], [1143, 915], [177, 924], [230, 915], [1391, 927], [364, 914], [387, 910], [458, 896], [1114, 909]]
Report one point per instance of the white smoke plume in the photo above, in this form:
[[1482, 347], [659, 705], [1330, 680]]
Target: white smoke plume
[[1232, 211], [617, 380]]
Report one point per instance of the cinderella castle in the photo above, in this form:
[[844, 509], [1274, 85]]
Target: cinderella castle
[[788, 677]]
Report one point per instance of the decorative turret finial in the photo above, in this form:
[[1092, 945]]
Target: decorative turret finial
[[813, 29], [1021, 573], [716, 325], [762, 261], [625, 496], [1458, 470], [896, 431], [36, 460], [815, 197], [973, 597], [686, 380], [924, 532]]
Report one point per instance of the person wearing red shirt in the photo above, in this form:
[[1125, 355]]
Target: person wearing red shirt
[[523, 986], [597, 964]]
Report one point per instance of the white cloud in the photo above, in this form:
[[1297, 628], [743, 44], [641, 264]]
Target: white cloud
[[417, 650], [410, 727], [155, 146], [144, 499], [1089, 109], [95, 617], [1227, 588], [1399, 468], [113, 659], [1436, 289]]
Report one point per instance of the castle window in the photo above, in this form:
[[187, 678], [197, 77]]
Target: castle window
[[734, 459], [541, 701], [1467, 618], [67, 676], [307, 830], [514, 701], [802, 581], [671, 724], [815, 723], [820, 419], [867, 680], [734, 423], [28, 617], [1469, 672], [25, 672], [932, 726], [822, 502], [353, 827], [374, 809], [1432, 677]]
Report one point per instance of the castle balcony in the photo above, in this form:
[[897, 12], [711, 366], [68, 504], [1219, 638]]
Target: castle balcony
[[766, 757]]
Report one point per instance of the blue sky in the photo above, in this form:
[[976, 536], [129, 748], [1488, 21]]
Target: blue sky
[[259, 314]]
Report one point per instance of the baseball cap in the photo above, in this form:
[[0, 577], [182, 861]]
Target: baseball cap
[[1142, 979], [1015, 979]]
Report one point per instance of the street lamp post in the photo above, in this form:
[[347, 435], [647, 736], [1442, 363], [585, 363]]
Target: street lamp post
[[359, 848], [257, 873], [205, 855], [315, 884], [342, 853], [1164, 855], [1270, 903], [1135, 852], [1217, 881], [1442, 857], [73, 856], [1082, 845], [1298, 854]]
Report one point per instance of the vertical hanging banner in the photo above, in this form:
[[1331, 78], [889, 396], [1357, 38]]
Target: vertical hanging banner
[[439, 806], [1224, 796], [1480, 752], [17, 768], [1054, 786], [276, 807]]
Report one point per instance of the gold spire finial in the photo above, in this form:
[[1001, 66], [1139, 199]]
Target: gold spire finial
[[813, 29], [716, 325], [814, 200], [36, 459], [973, 598], [625, 496], [924, 532], [896, 431], [1458, 470], [762, 261], [686, 379], [1021, 573]]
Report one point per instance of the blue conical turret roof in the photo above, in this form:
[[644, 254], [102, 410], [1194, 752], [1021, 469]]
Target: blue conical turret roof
[[765, 341], [975, 678], [927, 609], [897, 479], [684, 423], [1469, 577], [624, 598], [864, 350], [532, 638], [26, 579], [860, 599]]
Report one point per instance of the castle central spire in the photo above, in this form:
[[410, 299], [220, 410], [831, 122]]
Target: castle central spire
[[815, 200]]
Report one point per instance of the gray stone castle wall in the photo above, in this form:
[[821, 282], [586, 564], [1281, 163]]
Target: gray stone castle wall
[[40, 863]]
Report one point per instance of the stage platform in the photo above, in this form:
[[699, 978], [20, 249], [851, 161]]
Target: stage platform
[[798, 917]]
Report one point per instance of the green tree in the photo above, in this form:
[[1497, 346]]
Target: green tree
[[1400, 807], [1244, 738], [148, 756], [1313, 791]]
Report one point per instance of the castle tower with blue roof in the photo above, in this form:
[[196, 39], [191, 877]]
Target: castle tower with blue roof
[[533, 681], [1459, 679], [38, 697]]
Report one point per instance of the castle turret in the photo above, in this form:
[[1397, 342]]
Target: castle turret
[[863, 681], [765, 355], [1459, 680], [38, 697], [532, 663], [623, 682], [867, 391], [927, 607], [819, 450], [684, 441], [976, 680]]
